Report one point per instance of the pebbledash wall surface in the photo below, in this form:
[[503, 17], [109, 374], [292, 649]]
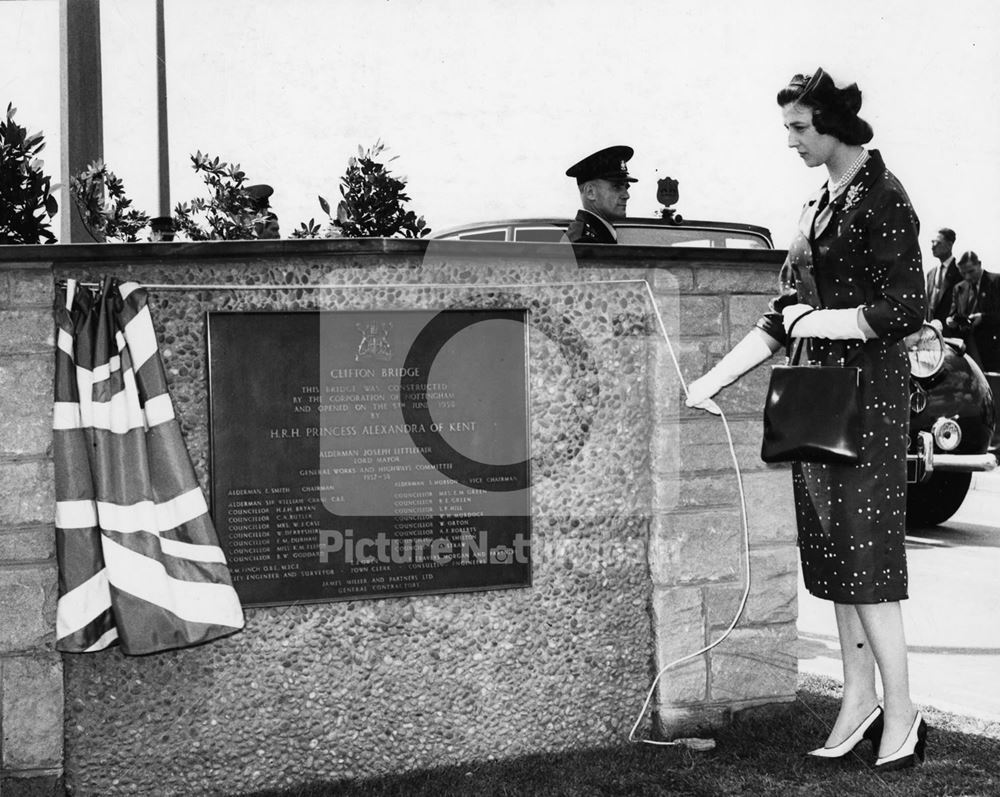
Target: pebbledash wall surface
[[637, 537]]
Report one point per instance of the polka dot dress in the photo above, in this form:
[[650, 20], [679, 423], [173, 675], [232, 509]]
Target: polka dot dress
[[862, 251]]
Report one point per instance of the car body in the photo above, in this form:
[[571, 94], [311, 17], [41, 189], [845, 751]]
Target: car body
[[953, 411], [953, 418]]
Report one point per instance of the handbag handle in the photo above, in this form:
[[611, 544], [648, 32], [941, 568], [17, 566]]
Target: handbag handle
[[792, 357], [788, 333]]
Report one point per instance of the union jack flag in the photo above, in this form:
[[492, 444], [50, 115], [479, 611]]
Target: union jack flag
[[139, 558]]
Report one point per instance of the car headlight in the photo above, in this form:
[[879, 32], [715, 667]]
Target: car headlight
[[925, 348], [947, 434]]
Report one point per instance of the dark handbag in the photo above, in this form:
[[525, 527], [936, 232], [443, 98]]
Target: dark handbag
[[812, 414]]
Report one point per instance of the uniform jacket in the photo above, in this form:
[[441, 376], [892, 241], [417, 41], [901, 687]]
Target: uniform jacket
[[587, 228], [983, 340], [939, 302]]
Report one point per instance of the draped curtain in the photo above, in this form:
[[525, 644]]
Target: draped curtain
[[139, 558]]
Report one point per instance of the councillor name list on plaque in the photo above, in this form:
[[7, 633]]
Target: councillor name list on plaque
[[360, 454]]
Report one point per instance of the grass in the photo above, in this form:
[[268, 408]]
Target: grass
[[759, 754]]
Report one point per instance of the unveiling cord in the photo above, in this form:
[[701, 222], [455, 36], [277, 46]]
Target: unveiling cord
[[663, 331], [746, 546]]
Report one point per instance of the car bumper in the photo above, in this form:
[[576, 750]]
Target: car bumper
[[922, 463]]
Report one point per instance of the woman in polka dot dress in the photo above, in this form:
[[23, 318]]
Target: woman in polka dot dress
[[852, 288]]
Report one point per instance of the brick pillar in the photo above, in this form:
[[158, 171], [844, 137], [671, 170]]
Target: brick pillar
[[31, 684], [697, 551]]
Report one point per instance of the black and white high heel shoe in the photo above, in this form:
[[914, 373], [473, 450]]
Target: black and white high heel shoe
[[870, 728], [910, 751]]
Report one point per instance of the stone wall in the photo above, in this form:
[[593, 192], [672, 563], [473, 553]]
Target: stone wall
[[31, 672], [637, 542]]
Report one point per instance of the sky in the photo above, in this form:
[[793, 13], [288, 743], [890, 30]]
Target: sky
[[485, 104]]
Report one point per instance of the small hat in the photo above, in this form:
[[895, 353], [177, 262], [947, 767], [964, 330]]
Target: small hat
[[606, 164]]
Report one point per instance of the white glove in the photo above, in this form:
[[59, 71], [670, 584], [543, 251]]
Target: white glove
[[792, 313], [750, 352], [803, 321]]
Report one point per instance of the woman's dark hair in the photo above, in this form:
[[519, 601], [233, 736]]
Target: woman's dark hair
[[835, 111]]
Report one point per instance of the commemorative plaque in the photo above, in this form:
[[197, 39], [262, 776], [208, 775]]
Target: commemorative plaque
[[371, 453]]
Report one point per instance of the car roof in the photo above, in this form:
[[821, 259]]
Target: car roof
[[631, 221]]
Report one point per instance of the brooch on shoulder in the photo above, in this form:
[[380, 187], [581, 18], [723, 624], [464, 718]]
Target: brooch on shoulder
[[853, 196]]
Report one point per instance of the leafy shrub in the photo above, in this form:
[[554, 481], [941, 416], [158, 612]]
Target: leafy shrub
[[26, 202], [100, 197], [372, 204], [229, 213]]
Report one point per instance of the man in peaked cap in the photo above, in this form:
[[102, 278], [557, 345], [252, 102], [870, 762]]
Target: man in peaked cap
[[260, 200], [603, 181]]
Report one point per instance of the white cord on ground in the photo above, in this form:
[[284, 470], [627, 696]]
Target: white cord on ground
[[696, 744]]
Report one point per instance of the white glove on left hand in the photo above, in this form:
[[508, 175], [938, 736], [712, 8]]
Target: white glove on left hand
[[792, 313], [803, 321]]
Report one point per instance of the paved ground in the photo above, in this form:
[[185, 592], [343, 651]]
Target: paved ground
[[951, 618]]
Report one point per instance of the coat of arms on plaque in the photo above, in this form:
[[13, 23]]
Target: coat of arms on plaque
[[374, 343]]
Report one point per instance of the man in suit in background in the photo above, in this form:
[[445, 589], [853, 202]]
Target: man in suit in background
[[603, 181], [975, 312], [941, 279]]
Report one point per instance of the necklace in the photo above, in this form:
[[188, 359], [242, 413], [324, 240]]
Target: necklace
[[849, 175]]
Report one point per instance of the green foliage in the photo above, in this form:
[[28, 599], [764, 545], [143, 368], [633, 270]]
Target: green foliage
[[372, 204], [228, 214], [307, 229], [100, 197], [26, 204]]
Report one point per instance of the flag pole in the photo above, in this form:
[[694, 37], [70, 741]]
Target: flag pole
[[163, 149], [80, 106]]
